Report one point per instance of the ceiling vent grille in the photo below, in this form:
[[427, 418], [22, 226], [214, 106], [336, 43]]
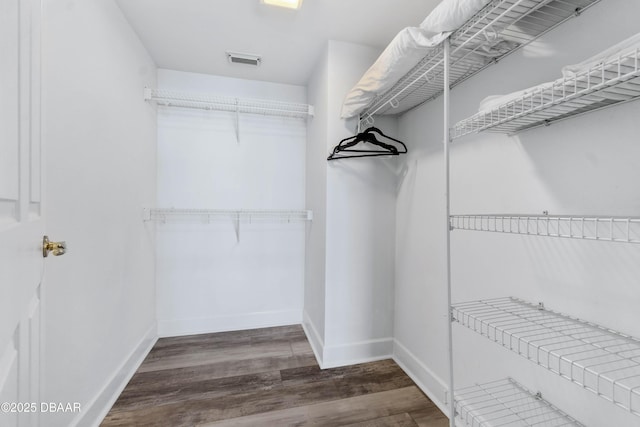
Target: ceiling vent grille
[[244, 58]]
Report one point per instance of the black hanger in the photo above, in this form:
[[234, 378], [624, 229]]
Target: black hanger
[[369, 135]]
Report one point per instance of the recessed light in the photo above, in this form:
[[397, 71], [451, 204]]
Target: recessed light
[[290, 4]]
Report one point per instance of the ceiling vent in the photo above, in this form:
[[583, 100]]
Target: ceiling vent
[[244, 58]]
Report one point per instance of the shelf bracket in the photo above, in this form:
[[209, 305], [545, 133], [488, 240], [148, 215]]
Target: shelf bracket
[[237, 122], [236, 225]]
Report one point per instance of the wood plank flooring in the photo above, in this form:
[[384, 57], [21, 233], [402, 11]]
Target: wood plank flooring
[[265, 377]]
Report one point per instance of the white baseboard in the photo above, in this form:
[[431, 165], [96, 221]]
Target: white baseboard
[[358, 352], [98, 408], [239, 322], [430, 383], [314, 338], [345, 354]]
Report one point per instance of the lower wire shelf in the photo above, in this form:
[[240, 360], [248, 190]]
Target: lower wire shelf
[[598, 359], [506, 403]]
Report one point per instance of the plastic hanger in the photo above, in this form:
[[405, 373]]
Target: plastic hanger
[[348, 145]]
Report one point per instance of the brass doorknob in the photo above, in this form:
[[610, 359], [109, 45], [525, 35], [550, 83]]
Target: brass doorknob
[[56, 248]]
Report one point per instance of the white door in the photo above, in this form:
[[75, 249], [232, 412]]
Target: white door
[[21, 219]]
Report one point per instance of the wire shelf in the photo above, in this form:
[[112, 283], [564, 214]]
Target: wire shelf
[[600, 360], [172, 98], [505, 402], [239, 215], [608, 229], [501, 27], [609, 83]]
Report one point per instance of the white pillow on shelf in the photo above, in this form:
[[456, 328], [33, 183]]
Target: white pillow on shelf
[[623, 48], [406, 50], [403, 53], [450, 15]]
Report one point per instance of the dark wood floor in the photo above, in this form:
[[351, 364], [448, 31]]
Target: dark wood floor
[[265, 377]]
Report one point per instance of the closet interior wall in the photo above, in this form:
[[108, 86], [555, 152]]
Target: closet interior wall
[[99, 319], [217, 275], [350, 246], [585, 165]]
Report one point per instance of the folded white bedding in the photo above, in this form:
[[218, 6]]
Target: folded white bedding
[[494, 101], [450, 15], [402, 54], [406, 50], [623, 48]]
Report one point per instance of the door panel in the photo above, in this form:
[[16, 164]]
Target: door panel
[[9, 380], [32, 58], [9, 111], [21, 221]]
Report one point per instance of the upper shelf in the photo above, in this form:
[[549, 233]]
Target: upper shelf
[[606, 84], [173, 98], [502, 25]]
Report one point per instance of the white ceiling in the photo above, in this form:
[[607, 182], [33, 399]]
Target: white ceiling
[[193, 35]]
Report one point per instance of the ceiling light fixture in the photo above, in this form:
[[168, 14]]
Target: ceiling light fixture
[[290, 4]]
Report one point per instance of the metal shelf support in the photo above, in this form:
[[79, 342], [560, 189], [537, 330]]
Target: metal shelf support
[[446, 143]]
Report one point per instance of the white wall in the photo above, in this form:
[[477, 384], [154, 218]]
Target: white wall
[[99, 136], [316, 200], [585, 165], [357, 204], [208, 280], [361, 195]]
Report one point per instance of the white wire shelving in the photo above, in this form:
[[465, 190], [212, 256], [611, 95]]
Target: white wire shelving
[[173, 98], [234, 216], [500, 28], [609, 83], [211, 215], [506, 403], [596, 358], [601, 228]]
